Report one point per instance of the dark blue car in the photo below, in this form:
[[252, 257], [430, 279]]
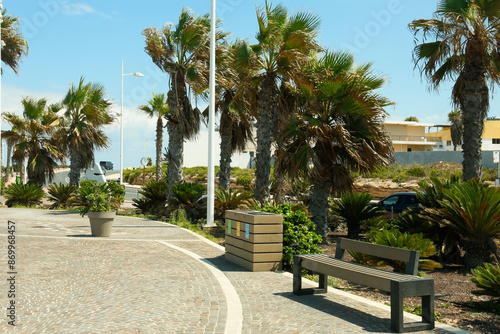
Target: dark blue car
[[398, 202]]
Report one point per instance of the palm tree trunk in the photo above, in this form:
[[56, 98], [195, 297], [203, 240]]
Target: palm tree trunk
[[474, 102], [265, 129], [318, 206], [476, 253], [9, 155], [74, 168], [225, 154], [174, 156], [159, 143]]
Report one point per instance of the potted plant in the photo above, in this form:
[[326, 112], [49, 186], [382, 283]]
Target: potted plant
[[100, 201]]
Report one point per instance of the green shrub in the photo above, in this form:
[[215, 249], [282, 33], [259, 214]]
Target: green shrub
[[24, 195], [154, 198], [487, 278], [417, 171], [396, 238], [298, 233], [2, 185], [244, 180], [61, 195], [99, 196]]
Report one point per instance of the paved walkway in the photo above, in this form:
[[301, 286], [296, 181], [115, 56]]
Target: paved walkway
[[152, 277]]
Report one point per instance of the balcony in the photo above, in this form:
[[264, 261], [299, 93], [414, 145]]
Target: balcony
[[414, 139]]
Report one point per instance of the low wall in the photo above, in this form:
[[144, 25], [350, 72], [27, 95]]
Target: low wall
[[428, 157]]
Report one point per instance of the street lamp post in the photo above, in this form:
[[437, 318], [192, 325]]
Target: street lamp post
[[136, 74], [1, 46]]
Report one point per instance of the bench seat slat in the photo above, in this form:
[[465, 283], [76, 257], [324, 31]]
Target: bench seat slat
[[386, 252], [353, 272]]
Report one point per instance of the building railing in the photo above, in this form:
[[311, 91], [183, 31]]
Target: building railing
[[416, 138]]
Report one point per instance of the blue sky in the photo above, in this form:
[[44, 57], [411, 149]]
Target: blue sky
[[69, 39]]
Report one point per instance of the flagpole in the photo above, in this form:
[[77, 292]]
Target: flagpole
[[211, 121]]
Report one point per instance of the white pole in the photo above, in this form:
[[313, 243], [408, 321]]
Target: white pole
[[211, 126], [121, 132]]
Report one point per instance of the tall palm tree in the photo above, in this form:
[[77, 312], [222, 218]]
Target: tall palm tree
[[86, 112], [234, 97], [463, 45], [33, 135], [15, 135], [284, 43], [338, 127], [182, 51], [456, 129], [15, 46], [157, 108]]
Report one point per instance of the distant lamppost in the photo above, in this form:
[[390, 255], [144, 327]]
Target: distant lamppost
[[136, 74]]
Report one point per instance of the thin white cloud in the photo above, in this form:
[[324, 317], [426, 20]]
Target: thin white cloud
[[76, 9]]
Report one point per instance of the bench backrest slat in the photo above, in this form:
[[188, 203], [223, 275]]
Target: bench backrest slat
[[411, 257]]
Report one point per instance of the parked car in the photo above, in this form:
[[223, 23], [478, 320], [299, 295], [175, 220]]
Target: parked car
[[106, 165], [398, 202]]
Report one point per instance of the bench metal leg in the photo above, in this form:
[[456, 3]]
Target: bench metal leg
[[297, 275], [400, 290], [297, 280]]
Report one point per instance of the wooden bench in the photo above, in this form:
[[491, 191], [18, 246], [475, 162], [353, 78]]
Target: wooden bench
[[397, 284]]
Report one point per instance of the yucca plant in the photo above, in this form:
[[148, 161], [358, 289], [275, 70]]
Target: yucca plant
[[229, 200], [353, 209], [188, 196], [487, 278], [416, 241], [473, 211], [154, 198], [24, 194], [61, 195]]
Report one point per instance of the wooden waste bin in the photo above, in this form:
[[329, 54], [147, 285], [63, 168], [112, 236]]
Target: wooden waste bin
[[254, 239]]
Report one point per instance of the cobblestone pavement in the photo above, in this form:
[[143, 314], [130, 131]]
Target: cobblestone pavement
[[152, 277]]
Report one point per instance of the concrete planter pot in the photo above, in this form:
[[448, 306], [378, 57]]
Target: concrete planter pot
[[101, 223]]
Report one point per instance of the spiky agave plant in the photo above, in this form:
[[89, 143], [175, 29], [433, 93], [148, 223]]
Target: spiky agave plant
[[487, 278], [24, 194], [61, 195], [154, 198]]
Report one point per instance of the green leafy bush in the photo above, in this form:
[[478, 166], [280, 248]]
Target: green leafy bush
[[99, 196], [396, 238], [24, 194], [298, 233], [245, 181], [417, 171], [154, 198], [487, 278], [62, 195]]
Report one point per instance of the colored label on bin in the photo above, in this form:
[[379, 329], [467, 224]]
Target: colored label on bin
[[237, 229], [229, 226], [247, 231]]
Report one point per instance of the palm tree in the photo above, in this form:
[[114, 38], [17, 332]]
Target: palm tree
[[14, 136], [338, 127], [33, 135], [353, 209], [86, 112], [463, 46], [157, 108], [235, 94], [182, 52], [284, 42], [15, 46], [456, 129]]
